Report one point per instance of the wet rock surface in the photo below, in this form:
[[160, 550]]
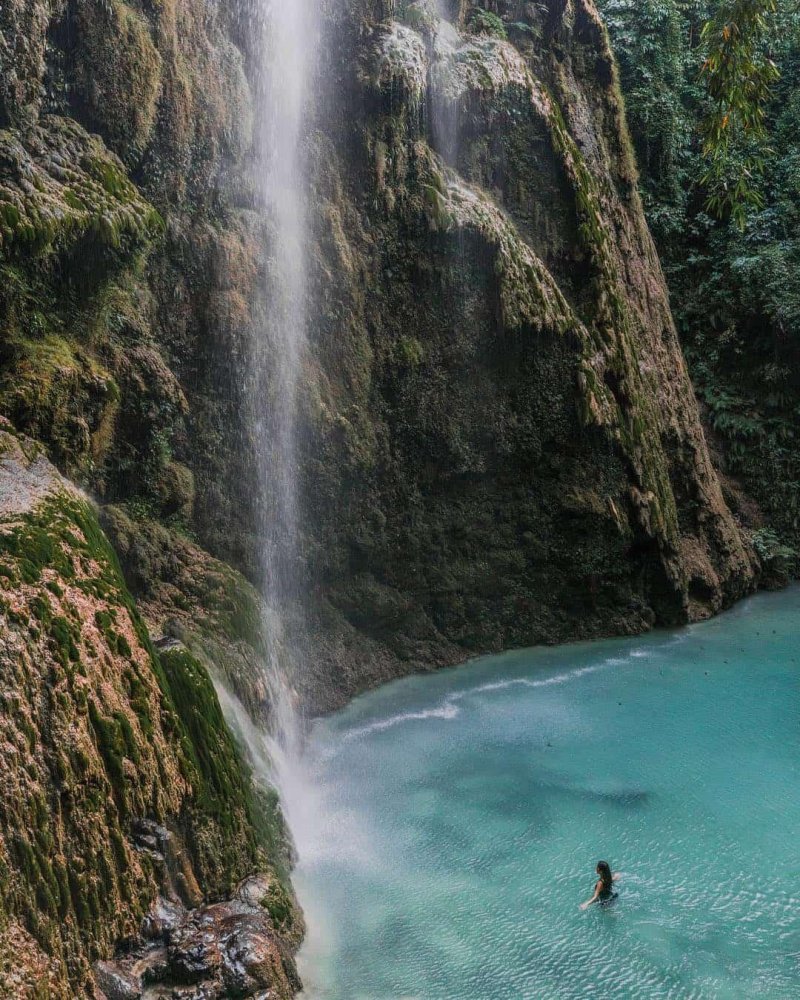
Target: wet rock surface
[[504, 448], [497, 441], [222, 950], [498, 444]]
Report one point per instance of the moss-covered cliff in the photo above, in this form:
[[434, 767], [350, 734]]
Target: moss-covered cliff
[[735, 291], [104, 742], [125, 262], [117, 259], [505, 445], [498, 443]]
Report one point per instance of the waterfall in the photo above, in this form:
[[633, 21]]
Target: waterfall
[[288, 52], [287, 72], [444, 109], [284, 45]]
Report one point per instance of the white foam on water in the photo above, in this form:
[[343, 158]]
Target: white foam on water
[[446, 711], [449, 709]]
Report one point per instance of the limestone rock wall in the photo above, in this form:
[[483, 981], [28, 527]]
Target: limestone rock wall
[[104, 742], [127, 256], [499, 441], [130, 251], [505, 445]]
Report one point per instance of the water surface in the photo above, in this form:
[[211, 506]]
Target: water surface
[[458, 818]]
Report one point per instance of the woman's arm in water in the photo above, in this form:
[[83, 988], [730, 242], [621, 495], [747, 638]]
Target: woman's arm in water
[[588, 903], [616, 876]]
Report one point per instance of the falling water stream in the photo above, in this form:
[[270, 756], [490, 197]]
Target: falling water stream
[[444, 110], [447, 826], [288, 66], [286, 35]]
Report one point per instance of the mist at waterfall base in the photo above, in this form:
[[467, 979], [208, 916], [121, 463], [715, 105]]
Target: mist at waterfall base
[[460, 817]]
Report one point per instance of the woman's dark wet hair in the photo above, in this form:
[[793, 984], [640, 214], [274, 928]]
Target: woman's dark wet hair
[[604, 871]]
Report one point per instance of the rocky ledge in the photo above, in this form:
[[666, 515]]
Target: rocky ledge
[[226, 949]]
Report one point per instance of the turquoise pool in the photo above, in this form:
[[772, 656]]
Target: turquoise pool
[[457, 819]]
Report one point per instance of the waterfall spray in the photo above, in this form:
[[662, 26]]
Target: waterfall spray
[[444, 110], [287, 67], [284, 47]]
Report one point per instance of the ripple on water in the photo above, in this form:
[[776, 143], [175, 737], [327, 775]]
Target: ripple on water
[[461, 815]]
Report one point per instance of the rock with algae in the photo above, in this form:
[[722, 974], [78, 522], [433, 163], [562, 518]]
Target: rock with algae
[[493, 345], [497, 441], [535, 467], [23, 45], [59, 185], [103, 739], [221, 950], [486, 66], [402, 63]]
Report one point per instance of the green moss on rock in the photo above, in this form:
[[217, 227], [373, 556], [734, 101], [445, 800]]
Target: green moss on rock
[[225, 817], [59, 185], [117, 72], [105, 736], [23, 43]]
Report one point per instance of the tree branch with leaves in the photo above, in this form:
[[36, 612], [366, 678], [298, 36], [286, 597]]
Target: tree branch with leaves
[[739, 76]]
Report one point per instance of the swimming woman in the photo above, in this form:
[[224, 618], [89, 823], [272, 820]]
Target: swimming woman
[[603, 890]]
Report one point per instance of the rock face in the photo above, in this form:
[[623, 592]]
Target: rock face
[[120, 777], [498, 443], [505, 445], [228, 949]]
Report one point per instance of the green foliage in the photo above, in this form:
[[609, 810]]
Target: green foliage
[[735, 291], [649, 38], [771, 550], [739, 77], [484, 22], [760, 445]]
